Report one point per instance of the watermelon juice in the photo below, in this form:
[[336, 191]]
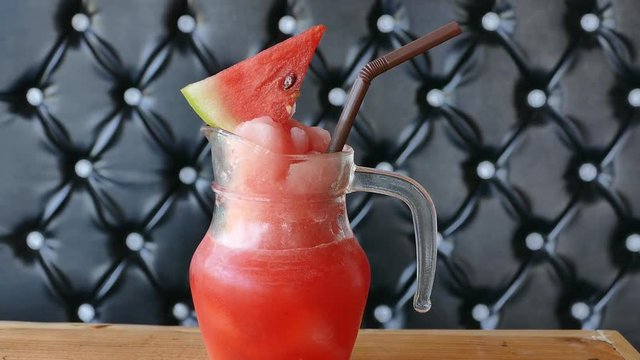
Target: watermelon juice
[[279, 274], [302, 303]]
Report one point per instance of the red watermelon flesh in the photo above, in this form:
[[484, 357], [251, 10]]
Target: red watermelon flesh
[[256, 87]]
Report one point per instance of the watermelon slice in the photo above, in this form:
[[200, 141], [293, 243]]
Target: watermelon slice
[[267, 84]]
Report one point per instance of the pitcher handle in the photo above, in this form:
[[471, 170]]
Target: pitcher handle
[[424, 222]]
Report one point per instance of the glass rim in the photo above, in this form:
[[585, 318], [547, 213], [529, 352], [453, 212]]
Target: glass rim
[[207, 131]]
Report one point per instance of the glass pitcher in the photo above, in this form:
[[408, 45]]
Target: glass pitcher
[[279, 274]]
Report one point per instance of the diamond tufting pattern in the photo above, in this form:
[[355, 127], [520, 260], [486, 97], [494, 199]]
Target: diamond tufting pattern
[[524, 130]]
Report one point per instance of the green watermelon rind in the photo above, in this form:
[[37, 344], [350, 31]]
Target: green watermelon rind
[[206, 107]]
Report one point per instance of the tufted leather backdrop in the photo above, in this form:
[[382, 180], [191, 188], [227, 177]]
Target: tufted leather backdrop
[[524, 130]]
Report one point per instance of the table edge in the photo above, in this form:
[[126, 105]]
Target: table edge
[[612, 337], [621, 344], [603, 334]]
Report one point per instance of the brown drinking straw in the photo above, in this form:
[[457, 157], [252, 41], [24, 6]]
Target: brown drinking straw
[[377, 67]]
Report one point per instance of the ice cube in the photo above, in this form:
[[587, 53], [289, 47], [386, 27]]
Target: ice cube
[[299, 140], [265, 132], [259, 168], [319, 138]]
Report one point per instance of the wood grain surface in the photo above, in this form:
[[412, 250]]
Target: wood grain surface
[[20, 340]]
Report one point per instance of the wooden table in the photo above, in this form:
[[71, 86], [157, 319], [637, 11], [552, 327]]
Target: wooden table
[[78, 341]]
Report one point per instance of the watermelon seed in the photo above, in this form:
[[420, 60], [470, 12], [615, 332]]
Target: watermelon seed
[[289, 80]]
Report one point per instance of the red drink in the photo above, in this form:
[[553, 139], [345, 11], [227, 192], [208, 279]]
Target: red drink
[[280, 304], [279, 274]]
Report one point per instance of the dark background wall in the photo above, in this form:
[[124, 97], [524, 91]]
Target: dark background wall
[[525, 131]]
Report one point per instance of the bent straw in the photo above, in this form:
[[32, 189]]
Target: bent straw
[[377, 67]]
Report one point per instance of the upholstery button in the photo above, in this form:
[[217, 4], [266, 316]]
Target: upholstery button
[[580, 310], [86, 312], [491, 21], [383, 313], [480, 312], [536, 98], [35, 240], [186, 24], [435, 97], [444, 247], [485, 170], [384, 166], [590, 22], [386, 23], [83, 168], [337, 96], [633, 243], [134, 241], [188, 175], [634, 97], [180, 311], [439, 239], [132, 96], [534, 241], [287, 24], [587, 172], [35, 96], [80, 22]]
